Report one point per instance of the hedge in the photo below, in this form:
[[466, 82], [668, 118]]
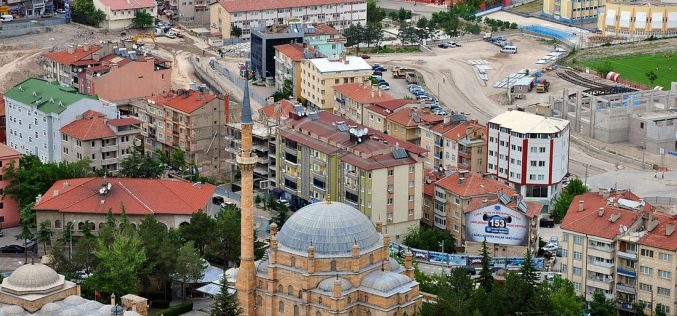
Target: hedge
[[177, 310]]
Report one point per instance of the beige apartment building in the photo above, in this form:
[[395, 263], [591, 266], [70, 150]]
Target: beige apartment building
[[615, 242], [455, 143], [319, 75], [378, 112], [352, 99], [105, 142], [189, 120], [323, 155]]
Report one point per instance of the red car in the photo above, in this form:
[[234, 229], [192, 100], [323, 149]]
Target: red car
[[365, 56]]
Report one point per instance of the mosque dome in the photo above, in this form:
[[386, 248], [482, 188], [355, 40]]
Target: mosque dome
[[332, 227], [34, 278], [327, 284], [384, 281]]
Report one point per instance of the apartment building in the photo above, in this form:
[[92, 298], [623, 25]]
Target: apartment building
[[572, 11], [120, 13], [325, 39], [189, 120], [456, 143], [3, 120], [195, 12], [111, 72], [638, 19], [352, 99], [247, 15], [451, 196], [530, 152], [378, 112], [407, 123], [322, 155], [9, 207], [288, 59], [104, 141], [263, 42], [37, 109], [319, 75]]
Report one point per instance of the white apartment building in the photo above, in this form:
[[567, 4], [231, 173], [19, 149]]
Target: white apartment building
[[36, 110], [247, 15], [320, 75], [530, 152]]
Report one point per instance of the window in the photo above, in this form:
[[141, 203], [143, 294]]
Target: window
[[565, 268], [541, 163], [541, 149], [411, 212], [333, 265], [412, 169], [290, 290], [663, 291], [565, 237], [578, 255], [645, 287], [577, 286], [578, 240], [390, 172], [411, 184], [259, 300], [664, 274], [292, 262], [646, 253], [279, 288], [665, 256], [663, 308], [280, 307], [564, 253], [646, 270], [411, 198], [577, 271], [390, 201], [533, 163]]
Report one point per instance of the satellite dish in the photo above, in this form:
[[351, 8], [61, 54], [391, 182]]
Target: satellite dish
[[625, 228], [365, 131], [352, 130]]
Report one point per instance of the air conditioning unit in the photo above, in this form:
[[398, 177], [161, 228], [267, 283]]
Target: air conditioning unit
[[263, 185]]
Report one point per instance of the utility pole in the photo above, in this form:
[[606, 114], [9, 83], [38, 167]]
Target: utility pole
[[643, 151], [586, 174]]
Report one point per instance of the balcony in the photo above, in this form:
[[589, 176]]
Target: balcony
[[600, 267], [438, 143], [626, 288], [630, 272], [604, 253], [601, 283], [352, 173], [627, 255], [464, 154], [109, 148]]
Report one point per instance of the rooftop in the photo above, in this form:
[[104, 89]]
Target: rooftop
[[585, 218], [139, 196], [533, 208], [363, 93], [473, 185], [47, 97], [293, 51], [128, 4], [92, 125], [260, 5], [7, 152], [352, 63], [663, 235], [280, 108], [658, 115], [410, 117], [324, 29], [525, 122], [186, 102], [329, 133], [386, 107], [66, 58], [462, 130]]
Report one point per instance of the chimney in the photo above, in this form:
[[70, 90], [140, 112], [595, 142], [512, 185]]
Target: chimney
[[37, 198], [461, 180], [112, 299], [600, 212], [273, 229], [70, 49], [447, 119], [85, 47], [96, 56], [408, 264], [484, 203], [669, 229], [379, 226], [581, 205]]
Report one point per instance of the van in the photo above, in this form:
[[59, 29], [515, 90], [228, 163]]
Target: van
[[509, 49], [6, 18]]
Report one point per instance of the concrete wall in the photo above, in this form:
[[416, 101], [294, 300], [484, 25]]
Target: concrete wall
[[120, 19], [10, 207], [134, 80], [653, 136]]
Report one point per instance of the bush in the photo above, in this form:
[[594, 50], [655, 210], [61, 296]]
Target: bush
[[178, 309]]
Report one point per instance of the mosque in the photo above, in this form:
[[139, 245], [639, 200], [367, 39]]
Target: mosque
[[327, 259]]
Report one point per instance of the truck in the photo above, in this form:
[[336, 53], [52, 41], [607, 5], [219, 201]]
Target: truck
[[400, 73], [412, 78], [542, 85]]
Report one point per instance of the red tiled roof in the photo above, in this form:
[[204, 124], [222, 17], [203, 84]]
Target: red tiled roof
[[128, 4], [405, 117], [186, 102], [125, 121], [325, 29], [139, 196], [588, 220], [658, 238], [92, 125], [462, 130], [8, 152], [431, 176], [293, 51], [63, 57], [473, 185], [362, 93], [533, 208], [386, 108], [286, 107], [260, 5]]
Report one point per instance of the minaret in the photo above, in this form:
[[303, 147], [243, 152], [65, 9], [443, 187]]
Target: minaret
[[246, 277]]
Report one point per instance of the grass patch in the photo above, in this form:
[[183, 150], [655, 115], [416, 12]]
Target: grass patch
[[390, 50], [531, 7], [635, 67]]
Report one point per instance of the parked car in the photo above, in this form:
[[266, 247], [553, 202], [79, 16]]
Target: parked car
[[283, 202], [2, 234], [377, 73], [384, 87], [554, 240], [47, 15], [217, 200], [227, 204], [12, 249], [60, 11], [30, 243], [443, 45], [383, 82], [544, 222], [550, 247], [365, 56]]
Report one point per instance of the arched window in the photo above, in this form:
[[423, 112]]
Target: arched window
[[259, 300], [57, 223], [292, 262], [406, 298], [350, 313], [279, 288], [102, 226], [371, 258], [333, 265], [319, 300], [81, 226], [318, 313], [280, 307], [296, 310], [290, 290], [92, 226], [300, 293], [350, 299], [260, 285], [368, 313]]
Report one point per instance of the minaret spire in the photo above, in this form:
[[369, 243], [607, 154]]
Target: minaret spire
[[246, 277]]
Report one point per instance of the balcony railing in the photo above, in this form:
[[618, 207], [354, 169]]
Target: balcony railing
[[626, 288], [627, 272], [628, 255]]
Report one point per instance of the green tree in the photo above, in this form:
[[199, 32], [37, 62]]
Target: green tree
[[403, 14], [189, 266], [84, 11], [142, 19], [225, 304], [200, 230], [160, 245], [430, 239], [235, 31], [407, 34], [354, 35], [60, 262], [651, 76], [373, 34], [119, 265], [563, 297], [281, 214], [659, 310], [527, 270], [486, 279], [140, 165], [67, 237], [601, 306], [604, 69], [84, 257], [226, 242], [178, 161], [285, 92], [375, 14], [27, 221], [422, 30], [563, 201], [638, 309], [45, 233]]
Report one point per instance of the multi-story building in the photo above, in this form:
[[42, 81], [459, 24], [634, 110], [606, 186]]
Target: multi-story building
[[112, 73], [658, 19], [263, 42], [352, 99], [120, 14], [615, 242], [288, 59], [407, 123], [3, 121], [530, 152], [9, 207], [193, 11], [324, 38], [572, 11], [654, 130], [319, 75], [37, 110], [192, 121], [322, 154], [247, 15], [104, 141], [456, 143], [378, 112]]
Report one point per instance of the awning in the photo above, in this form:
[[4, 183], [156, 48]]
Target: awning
[[214, 289], [212, 274]]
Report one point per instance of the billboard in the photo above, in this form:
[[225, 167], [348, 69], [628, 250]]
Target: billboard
[[498, 224]]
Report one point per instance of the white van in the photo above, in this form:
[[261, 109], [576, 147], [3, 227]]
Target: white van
[[6, 18], [509, 49]]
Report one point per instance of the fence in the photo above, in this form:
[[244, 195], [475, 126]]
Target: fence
[[446, 259], [29, 27], [661, 200], [223, 71]]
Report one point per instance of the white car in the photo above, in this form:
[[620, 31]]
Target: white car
[[550, 247], [384, 87]]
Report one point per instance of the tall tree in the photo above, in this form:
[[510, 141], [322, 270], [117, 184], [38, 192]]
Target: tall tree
[[638, 309], [142, 19], [189, 266], [373, 34], [178, 161], [407, 34], [601, 306], [486, 279], [160, 245], [430, 239], [85, 12], [563, 201], [422, 29], [60, 262], [527, 270], [45, 233], [119, 265], [67, 237], [27, 221], [225, 304], [235, 31], [140, 165], [226, 243], [200, 230], [354, 35], [375, 14], [84, 257], [563, 297]]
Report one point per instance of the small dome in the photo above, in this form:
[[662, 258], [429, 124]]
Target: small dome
[[332, 227], [71, 312], [90, 306], [231, 275], [262, 267], [384, 281], [34, 278], [105, 310], [327, 285], [13, 310], [395, 266], [50, 309], [93, 313], [74, 300]]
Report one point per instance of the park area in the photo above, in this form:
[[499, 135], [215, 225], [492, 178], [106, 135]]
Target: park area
[[636, 67]]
